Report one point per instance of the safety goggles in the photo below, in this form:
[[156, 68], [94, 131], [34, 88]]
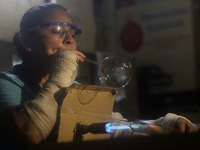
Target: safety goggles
[[58, 30]]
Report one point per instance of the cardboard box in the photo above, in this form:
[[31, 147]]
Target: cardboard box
[[85, 104]]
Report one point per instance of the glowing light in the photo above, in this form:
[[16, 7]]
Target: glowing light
[[112, 128], [146, 122]]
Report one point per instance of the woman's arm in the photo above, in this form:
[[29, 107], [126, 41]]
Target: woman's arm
[[173, 123], [16, 126]]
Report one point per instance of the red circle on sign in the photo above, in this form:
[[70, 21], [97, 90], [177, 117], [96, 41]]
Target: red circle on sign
[[131, 37]]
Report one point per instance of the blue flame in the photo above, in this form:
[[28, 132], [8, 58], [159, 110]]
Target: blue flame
[[112, 128]]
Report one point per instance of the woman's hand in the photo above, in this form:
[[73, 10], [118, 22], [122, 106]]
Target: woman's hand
[[80, 55], [184, 126]]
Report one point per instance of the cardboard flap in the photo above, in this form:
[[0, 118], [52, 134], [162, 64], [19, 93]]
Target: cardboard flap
[[85, 104]]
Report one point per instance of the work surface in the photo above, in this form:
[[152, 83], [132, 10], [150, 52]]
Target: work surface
[[159, 142]]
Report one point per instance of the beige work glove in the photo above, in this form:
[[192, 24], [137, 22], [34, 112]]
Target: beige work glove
[[42, 110]]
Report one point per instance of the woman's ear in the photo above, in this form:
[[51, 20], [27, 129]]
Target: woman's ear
[[25, 39]]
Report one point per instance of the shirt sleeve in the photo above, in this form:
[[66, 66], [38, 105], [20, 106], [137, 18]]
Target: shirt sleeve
[[10, 91]]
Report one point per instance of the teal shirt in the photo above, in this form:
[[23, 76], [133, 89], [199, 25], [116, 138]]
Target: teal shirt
[[13, 91]]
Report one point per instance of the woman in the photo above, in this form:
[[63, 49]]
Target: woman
[[45, 30], [29, 92]]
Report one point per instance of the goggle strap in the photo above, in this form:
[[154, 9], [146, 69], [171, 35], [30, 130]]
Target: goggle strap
[[34, 28]]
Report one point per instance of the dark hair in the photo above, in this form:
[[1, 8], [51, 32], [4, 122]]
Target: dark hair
[[33, 17]]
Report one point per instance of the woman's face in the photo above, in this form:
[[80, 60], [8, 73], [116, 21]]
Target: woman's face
[[43, 47]]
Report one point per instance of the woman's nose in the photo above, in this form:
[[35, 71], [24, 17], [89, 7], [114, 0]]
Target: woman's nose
[[69, 39]]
